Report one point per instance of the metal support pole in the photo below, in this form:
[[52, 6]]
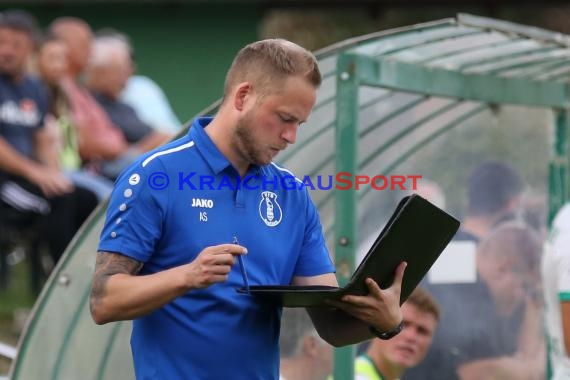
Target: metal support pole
[[346, 160], [558, 167]]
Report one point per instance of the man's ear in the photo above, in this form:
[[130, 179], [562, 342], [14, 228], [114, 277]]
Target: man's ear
[[243, 91]]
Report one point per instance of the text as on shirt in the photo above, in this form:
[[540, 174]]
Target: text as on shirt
[[203, 203]]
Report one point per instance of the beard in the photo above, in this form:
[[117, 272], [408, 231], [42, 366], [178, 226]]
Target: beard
[[10, 67], [246, 145]]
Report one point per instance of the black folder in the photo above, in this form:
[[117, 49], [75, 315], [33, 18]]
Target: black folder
[[417, 233]]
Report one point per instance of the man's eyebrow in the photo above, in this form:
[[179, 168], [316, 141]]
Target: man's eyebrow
[[287, 114], [291, 116]]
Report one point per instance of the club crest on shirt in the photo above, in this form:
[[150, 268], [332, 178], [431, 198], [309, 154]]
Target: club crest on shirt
[[269, 209]]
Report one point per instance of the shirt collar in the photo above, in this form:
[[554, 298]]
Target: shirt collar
[[212, 155]]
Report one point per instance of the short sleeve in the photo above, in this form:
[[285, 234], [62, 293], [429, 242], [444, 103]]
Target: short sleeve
[[135, 214], [314, 258]]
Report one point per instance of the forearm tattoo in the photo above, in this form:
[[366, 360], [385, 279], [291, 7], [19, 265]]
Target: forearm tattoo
[[108, 264]]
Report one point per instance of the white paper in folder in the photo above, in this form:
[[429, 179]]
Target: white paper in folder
[[455, 265]]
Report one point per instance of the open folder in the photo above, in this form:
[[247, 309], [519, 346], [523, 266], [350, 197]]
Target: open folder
[[417, 233]]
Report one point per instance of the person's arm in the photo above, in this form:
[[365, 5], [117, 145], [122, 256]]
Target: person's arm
[[350, 321], [506, 367], [46, 143], [119, 293], [14, 162], [531, 336], [97, 137], [93, 146], [50, 181], [527, 363]]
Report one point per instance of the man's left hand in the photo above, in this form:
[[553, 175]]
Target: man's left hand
[[380, 308]]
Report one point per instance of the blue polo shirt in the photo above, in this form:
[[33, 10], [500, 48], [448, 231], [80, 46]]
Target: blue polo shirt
[[181, 198]]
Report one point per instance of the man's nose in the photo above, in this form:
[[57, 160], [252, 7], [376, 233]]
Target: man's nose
[[409, 333], [289, 134]]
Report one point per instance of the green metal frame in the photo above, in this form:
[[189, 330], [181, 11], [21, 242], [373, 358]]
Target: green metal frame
[[558, 168], [345, 201], [440, 82]]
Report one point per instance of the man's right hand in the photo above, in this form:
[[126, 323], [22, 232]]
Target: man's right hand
[[118, 291], [213, 265]]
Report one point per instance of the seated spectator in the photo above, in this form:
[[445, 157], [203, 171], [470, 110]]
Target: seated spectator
[[107, 73], [144, 95], [304, 354], [31, 183], [52, 66], [492, 328], [389, 359], [102, 145], [97, 136]]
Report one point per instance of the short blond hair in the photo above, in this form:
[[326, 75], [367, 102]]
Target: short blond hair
[[267, 63]]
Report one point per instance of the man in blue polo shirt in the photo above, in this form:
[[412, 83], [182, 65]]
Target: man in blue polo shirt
[[166, 259]]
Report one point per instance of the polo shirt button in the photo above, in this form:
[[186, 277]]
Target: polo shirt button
[[122, 207], [113, 234]]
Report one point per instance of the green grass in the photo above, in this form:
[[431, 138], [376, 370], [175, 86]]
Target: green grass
[[18, 295]]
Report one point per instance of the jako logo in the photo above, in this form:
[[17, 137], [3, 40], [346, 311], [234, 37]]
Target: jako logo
[[199, 202]]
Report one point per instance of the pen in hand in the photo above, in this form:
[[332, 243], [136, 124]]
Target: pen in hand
[[242, 267]]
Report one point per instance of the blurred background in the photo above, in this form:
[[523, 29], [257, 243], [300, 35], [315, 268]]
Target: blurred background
[[187, 46]]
